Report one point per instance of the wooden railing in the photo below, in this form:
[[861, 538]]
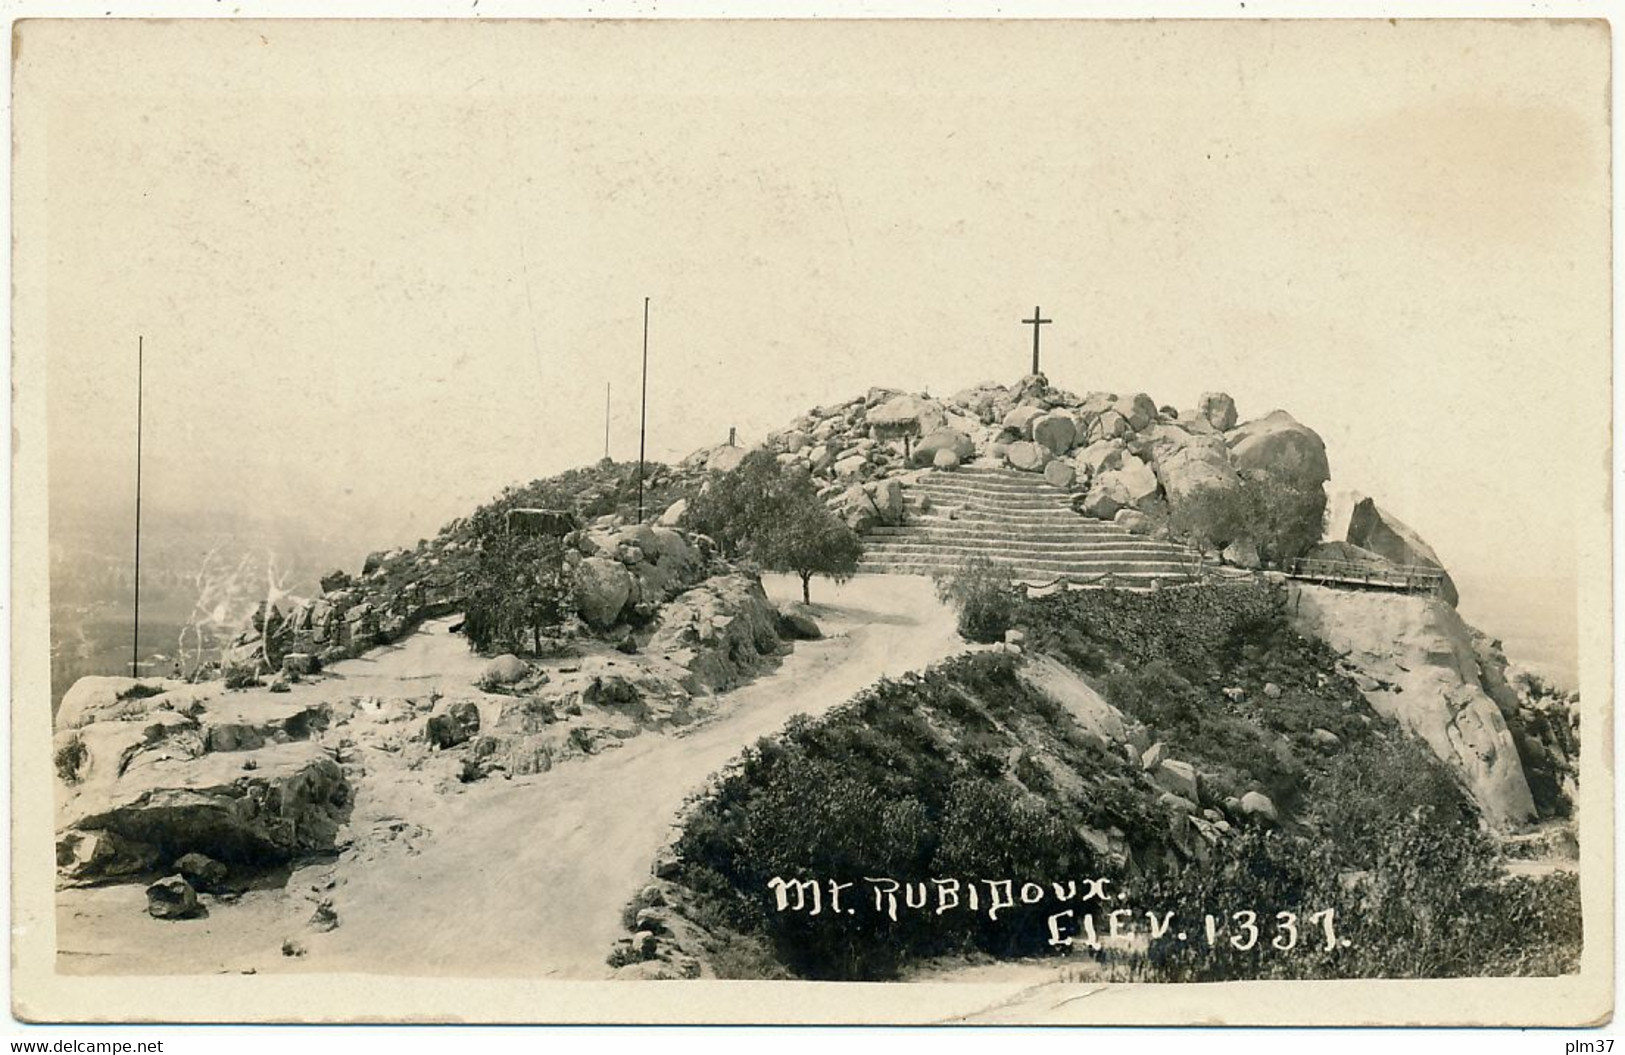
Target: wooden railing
[[1412, 578]]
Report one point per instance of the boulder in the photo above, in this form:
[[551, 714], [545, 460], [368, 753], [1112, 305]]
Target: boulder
[[172, 898], [1259, 807], [602, 588], [906, 416], [1374, 530], [1217, 409], [1279, 446], [724, 458], [797, 624], [1152, 757], [1189, 462], [504, 670], [1132, 484], [1098, 503], [1020, 419], [453, 723], [1142, 412], [1099, 457], [299, 664], [887, 496], [337, 579], [1421, 659], [1026, 456], [1107, 425], [1177, 777], [722, 630], [857, 507], [291, 803], [852, 465], [1060, 474], [1134, 520], [945, 460], [202, 871], [945, 439], [1242, 553], [102, 698], [1054, 431], [1325, 739], [673, 514]]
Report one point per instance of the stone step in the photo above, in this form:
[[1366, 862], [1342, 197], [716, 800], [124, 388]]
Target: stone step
[[934, 547], [1057, 566], [998, 538], [1041, 573]]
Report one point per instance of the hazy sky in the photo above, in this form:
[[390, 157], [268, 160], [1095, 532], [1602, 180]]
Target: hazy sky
[[385, 269]]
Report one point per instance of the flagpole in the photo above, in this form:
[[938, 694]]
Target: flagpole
[[135, 632], [643, 413]]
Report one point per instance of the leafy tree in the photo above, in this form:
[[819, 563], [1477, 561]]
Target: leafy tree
[[774, 516], [809, 540], [738, 506], [519, 586]]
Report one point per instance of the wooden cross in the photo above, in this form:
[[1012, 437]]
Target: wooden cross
[[1035, 322]]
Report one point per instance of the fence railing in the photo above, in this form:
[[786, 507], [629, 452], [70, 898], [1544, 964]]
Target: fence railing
[[1411, 578]]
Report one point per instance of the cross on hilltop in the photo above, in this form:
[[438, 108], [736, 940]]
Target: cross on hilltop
[[1035, 322]]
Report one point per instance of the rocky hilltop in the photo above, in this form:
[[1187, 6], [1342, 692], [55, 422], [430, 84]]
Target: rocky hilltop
[[334, 728]]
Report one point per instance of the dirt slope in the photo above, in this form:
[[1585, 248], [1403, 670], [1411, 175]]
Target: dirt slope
[[524, 877]]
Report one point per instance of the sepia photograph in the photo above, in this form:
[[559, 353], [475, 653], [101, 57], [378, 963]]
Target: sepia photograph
[[668, 520]]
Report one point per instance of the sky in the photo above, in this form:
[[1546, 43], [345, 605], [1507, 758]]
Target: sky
[[383, 270]]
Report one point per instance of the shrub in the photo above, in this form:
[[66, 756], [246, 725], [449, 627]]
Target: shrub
[[241, 676], [518, 588], [1212, 517], [140, 691], [1288, 518], [984, 592], [70, 758], [1282, 518]]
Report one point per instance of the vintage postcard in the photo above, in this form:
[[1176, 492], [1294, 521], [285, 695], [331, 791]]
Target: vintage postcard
[[793, 521]]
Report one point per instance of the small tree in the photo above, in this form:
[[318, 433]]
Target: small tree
[[809, 540], [774, 516], [1283, 518], [737, 508], [1211, 518], [1288, 517], [519, 587]]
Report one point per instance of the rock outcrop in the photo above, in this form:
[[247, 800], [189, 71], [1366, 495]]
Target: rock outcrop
[[1278, 445], [1415, 662], [1376, 531]]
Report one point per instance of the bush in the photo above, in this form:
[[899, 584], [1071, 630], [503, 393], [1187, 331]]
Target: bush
[[241, 676], [518, 588], [1282, 518], [985, 594], [70, 758]]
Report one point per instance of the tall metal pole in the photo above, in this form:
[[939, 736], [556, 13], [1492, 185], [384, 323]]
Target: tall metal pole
[[606, 420], [643, 413], [135, 632]]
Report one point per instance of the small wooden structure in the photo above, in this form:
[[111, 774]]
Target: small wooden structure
[[1406, 578]]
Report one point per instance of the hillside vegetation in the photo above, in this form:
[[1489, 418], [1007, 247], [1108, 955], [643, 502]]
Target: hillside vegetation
[[981, 770]]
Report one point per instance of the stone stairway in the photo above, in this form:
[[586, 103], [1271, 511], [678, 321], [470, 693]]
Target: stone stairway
[[1017, 519]]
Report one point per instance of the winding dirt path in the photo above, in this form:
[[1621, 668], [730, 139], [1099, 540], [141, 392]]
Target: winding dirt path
[[517, 878]]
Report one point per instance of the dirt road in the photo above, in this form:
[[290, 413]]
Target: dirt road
[[524, 877]]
